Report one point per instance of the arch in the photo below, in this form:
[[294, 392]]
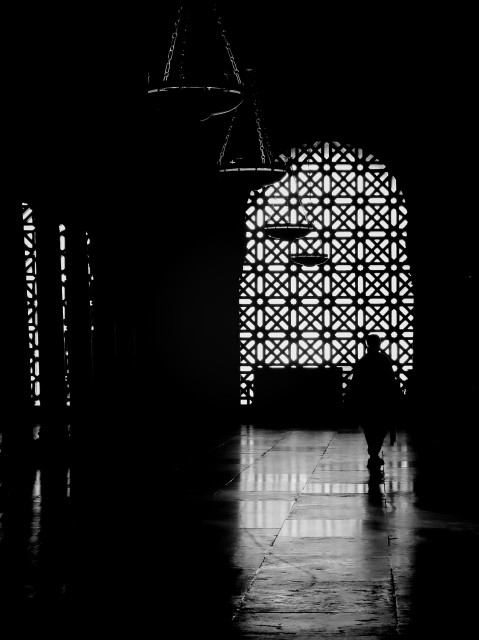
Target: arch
[[297, 316]]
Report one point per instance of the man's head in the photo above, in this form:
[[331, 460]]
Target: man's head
[[373, 342]]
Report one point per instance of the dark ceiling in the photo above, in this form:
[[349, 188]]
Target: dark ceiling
[[394, 80]]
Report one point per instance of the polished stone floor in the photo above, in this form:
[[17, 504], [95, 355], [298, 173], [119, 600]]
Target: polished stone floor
[[257, 533]]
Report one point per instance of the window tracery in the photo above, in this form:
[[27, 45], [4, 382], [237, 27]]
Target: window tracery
[[30, 247], [296, 316]]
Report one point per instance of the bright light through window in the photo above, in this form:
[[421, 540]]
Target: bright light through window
[[63, 258], [29, 241], [306, 316]]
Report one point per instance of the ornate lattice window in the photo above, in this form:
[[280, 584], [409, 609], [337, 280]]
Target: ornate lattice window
[[63, 275], [91, 279], [296, 316], [91, 285], [29, 239]]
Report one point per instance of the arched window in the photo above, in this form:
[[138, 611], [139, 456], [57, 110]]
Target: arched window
[[297, 316], [30, 246], [63, 276], [65, 256]]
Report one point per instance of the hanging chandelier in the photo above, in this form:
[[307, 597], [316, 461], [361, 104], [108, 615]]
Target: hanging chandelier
[[246, 154], [200, 77], [309, 259], [290, 222], [292, 233]]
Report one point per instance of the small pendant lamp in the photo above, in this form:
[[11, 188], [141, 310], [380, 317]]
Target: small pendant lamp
[[289, 220], [246, 155]]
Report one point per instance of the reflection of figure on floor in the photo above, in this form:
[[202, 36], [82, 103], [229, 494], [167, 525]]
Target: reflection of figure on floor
[[375, 494], [374, 396]]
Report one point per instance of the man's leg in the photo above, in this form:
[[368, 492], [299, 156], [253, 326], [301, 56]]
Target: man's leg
[[374, 435]]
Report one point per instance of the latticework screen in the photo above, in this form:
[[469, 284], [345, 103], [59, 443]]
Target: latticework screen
[[90, 282], [29, 241], [296, 316], [63, 276]]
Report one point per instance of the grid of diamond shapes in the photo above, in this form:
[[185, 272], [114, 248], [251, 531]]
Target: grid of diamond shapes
[[296, 316], [29, 242]]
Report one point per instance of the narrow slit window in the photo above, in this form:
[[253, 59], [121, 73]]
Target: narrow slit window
[[63, 275], [30, 248]]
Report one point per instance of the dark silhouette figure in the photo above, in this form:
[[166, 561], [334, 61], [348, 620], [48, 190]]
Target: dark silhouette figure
[[374, 398]]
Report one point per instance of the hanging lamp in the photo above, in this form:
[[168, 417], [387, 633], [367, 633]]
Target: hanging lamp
[[246, 155], [306, 253], [290, 222], [200, 78], [305, 256], [309, 259]]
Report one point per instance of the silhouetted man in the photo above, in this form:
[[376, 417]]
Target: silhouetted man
[[374, 396]]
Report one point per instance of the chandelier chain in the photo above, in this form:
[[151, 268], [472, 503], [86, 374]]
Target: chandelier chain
[[228, 47], [171, 51], [228, 133], [260, 133]]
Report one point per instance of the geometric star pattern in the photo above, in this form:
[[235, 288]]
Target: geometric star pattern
[[302, 316]]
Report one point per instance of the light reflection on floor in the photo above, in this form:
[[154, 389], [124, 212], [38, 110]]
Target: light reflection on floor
[[37, 491], [339, 488], [315, 545], [250, 481], [306, 542], [322, 528], [326, 508], [263, 514]]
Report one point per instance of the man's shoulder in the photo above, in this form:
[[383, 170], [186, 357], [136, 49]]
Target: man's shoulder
[[384, 356], [375, 359]]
